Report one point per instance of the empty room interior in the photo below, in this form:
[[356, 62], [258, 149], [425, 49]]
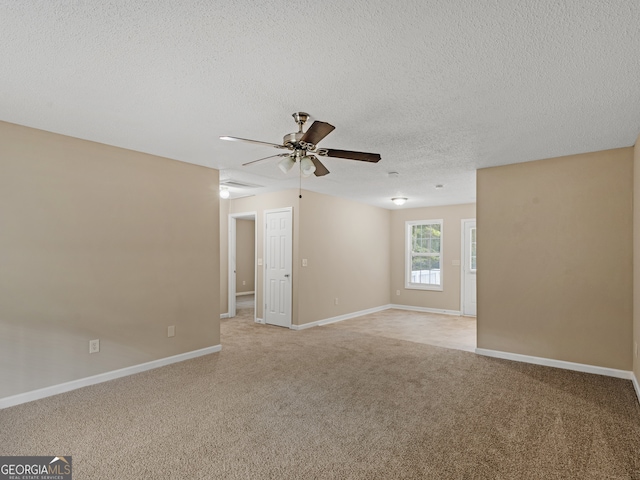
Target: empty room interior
[[307, 240]]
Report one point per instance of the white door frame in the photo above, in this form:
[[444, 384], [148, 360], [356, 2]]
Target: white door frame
[[232, 259], [264, 266], [462, 260]]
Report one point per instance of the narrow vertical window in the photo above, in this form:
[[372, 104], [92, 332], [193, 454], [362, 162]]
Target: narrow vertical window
[[424, 255], [472, 257]]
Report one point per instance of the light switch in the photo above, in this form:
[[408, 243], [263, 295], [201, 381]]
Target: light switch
[[259, 261], [304, 262]]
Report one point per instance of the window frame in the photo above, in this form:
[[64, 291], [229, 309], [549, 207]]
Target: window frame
[[408, 256]]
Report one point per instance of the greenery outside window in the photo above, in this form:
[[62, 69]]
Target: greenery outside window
[[424, 255]]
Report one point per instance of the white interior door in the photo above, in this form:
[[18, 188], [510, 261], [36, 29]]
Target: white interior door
[[469, 296], [278, 253]]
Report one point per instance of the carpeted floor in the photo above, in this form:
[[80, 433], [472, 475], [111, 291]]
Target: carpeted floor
[[332, 403]]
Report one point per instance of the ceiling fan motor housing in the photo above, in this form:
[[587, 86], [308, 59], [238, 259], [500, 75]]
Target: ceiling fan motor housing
[[292, 139]]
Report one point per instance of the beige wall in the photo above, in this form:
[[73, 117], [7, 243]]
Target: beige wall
[[346, 245], [554, 258], [636, 258], [449, 297], [98, 242], [245, 255]]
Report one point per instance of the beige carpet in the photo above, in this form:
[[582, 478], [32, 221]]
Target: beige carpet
[[334, 403]]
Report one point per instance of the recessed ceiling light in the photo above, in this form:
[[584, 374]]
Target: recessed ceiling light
[[399, 200]]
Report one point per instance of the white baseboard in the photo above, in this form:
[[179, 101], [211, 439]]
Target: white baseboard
[[239, 294], [226, 315], [348, 316], [102, 377], [636, 386], [425, 309], [340, 318], [548, 362]]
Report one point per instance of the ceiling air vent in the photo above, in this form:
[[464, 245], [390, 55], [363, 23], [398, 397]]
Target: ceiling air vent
[[237, 184]]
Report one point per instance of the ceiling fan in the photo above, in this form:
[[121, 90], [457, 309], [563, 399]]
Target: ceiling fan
[[303, 148]]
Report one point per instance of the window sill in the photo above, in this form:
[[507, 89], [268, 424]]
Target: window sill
[[415, 286]]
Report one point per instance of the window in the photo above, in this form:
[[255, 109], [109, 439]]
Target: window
[[472, 256], [424, 255]]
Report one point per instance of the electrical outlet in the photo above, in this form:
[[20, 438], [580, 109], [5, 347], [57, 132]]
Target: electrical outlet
[[398, 292], [94, 346], [171, 331], [336, 301], [244, 282]]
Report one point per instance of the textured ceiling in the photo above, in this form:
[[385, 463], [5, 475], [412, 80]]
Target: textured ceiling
[[438, 88]]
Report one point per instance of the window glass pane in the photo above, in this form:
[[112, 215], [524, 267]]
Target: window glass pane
[[425, 270], [473, 249], [419, 263], [419, 238], [425, 238]]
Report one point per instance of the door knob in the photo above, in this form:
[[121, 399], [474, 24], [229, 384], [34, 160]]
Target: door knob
[[286, 275]]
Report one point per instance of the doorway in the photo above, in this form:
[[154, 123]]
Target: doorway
[[242, 261], [468, 282]]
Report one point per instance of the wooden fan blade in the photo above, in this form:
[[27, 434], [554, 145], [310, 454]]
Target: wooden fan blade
[[265, 158], [238, 139], [321, 170], [317, 131], [361, 156]]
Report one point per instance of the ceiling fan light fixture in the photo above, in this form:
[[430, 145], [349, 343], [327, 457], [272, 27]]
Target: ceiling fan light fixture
[[224, 192], [306, 166], [399, 200], [286, 164]]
